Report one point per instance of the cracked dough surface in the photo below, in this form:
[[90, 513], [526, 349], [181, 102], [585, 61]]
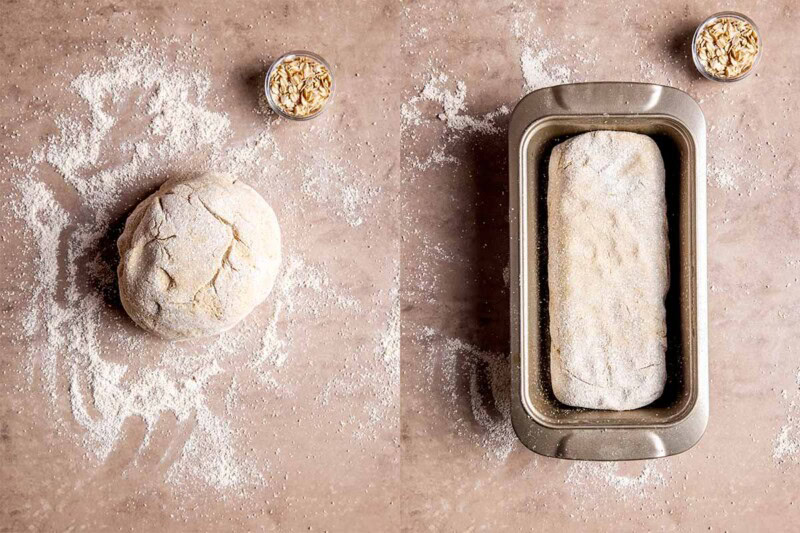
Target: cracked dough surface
[[607, 270], [197, 256]]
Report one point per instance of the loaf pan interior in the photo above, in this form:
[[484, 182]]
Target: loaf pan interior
[[680, 392]]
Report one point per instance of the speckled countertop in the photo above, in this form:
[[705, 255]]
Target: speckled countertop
[[401, 186], [312, 422], [455, 307]]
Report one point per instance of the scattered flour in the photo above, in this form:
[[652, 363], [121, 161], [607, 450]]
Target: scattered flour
[[77, 342], [171, 99], [171, 103], [454, 107], [787, 443], [538, 60], [735, 170], [379, 375], [786, 447], [257, 157], [436, 253], [302, 289], [328, 183], [536, 70], [46, 220], [585, 478], [410, 115], [485, 375], [458, 123], [273, 351], [436, 158], [462, 375], [386, 381]]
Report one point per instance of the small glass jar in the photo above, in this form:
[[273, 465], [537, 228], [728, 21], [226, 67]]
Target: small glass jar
[[710, 20], [288, 56]]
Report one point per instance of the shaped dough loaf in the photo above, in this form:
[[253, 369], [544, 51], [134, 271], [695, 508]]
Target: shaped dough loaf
[[608, 273]]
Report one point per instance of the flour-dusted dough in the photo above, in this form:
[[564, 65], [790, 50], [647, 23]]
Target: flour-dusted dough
[[608, 274], [197, 256]]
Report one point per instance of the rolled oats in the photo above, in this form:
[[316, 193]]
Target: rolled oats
[[727, 47], [300, 85]]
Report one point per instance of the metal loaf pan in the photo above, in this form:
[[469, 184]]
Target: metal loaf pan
[[676, 421]]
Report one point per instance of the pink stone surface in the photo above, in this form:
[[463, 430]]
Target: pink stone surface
[[451, 464]]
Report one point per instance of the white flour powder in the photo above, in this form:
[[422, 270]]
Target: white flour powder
[[378, 374], [46, 220], [453, 366], [457, 373], [451, 109], [585, 478], [786, 447], [436, 158], [453, 105], [302, 290], [537, 59], [735, 170], [331, 185], [79, 344], [536, 71], [104, 394]]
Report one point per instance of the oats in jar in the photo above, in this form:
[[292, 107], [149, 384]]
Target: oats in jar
[[727, 47], [300, 86]]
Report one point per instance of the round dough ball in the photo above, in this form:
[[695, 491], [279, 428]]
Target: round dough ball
[[197, 256]]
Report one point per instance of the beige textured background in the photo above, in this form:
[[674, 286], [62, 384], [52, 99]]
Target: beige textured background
[[455, 249], [443, 469], [319, 474]]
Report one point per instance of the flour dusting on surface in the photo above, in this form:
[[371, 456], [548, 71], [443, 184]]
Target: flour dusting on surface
[[378, 374], [786, 447], [454, 365], [453, 105], [593, 479], [82, 350], [537, 73], [327, 182], [539, 62], [303, 290]]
